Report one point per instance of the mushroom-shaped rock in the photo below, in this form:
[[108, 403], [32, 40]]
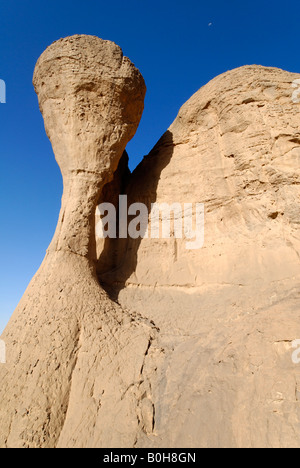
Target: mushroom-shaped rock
[[64, 342]]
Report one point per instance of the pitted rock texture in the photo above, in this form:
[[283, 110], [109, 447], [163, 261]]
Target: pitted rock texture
[[92, 99], [186, 348], [72, 353], [228, 312]]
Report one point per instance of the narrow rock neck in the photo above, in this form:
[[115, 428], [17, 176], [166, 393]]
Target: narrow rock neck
[[75, 232]]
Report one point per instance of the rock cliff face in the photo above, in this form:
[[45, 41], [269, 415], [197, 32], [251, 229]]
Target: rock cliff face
[[227, 312], [177, 347], [56, 378]]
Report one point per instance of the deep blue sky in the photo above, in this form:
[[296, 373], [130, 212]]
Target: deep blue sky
[[177, 52]]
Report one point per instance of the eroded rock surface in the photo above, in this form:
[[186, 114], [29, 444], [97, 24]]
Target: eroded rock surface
[[72, 353], [228, 312], [197, 350]]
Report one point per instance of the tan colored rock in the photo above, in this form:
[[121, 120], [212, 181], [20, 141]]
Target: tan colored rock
[[197, 351], [228, 312], [66, 340], [92, 99]]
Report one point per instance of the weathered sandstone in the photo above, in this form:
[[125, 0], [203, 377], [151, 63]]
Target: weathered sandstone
[[91, 98], [227, 313], [177, 347]]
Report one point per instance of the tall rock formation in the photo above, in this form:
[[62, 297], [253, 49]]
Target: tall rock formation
[[186, 348], [66, 340], [228, 312]]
